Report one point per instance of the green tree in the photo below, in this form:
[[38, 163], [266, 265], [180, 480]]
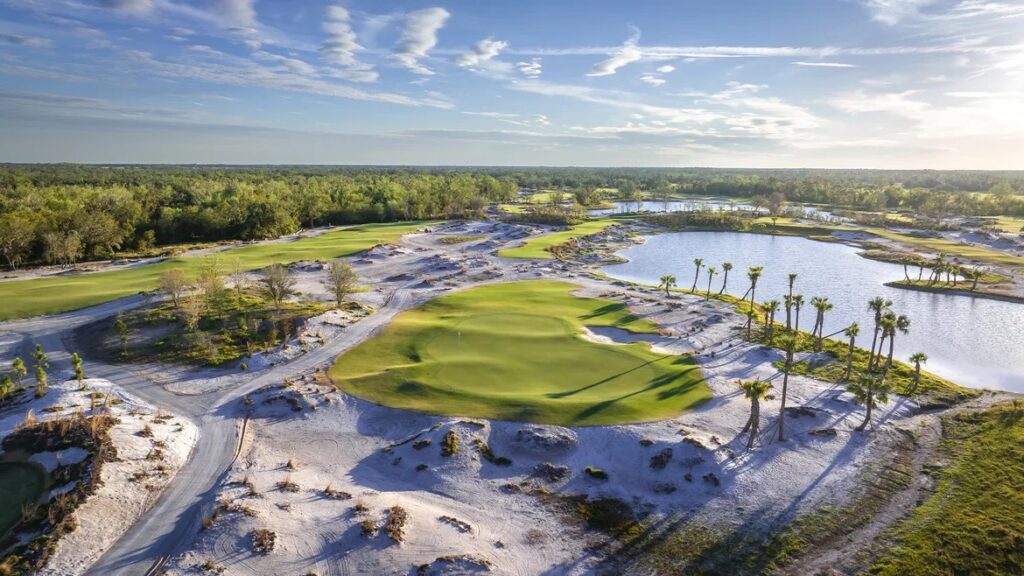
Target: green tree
[[851, 332], [19, 370], [76, 362], [726, 266], [900, 324], [917, 358], [340, 280], [278, 284], [869, 391], [173, 282], [798, 303], [699, 263], [789, 299], [40, 381], [668, 281], [770, 308], [788, 343], [753, 274], [122, 333], [712, 271], [878, 306], [6, 386], [40, 357], [754, 390]]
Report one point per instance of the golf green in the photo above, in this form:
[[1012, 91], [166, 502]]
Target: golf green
[[20, 483], [514, 351]]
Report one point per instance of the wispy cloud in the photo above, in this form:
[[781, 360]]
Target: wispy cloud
[[130, 6], [482, 51], [418, 37], [531, 69], [341, 47], [826, 64], [626, 54], [18, 40], [892, 12], [238, 12]]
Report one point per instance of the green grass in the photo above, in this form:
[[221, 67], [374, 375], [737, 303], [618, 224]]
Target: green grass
[[1011, 224], [22, 298], [976, 253], [460, 239], [538, 247], [514, 352], [20, 483], [974, 522]]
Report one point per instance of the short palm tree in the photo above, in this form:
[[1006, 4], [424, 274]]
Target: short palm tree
[[770, 308], [902, 325], [754, 273], [726, 266], [878, 305], [699, 263], [917, 358], [851, 332], [788, 343], [869, 391], [668, 281], [711, 274], [789, 300], [755, 391], [798, 303]]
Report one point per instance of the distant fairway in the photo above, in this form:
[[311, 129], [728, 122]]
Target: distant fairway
[[513, 352], [20, 483], [38, 296], [538, 247]]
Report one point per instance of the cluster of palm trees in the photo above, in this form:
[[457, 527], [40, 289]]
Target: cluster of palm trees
[[940, 266], [870, 388]]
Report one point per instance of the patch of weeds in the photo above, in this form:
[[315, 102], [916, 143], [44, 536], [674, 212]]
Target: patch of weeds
[[263, 540], [595, 472], [287, 485], [550, 472], [661, 459], [449, 444], [421, 444], [395, 525]]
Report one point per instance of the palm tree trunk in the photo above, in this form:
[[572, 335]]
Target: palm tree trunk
[[789, 325], [874, 340], [917, 377], [695, 278], [785, 388], [878, 357], [709, 288], [725, 280], [888, 361], [755, 417], [849, 360], [867, 418]]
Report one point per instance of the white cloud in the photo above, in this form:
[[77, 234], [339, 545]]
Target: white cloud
[[892, 12], [237, 12], [418, 37], [341, 47], [666, 68], [531, 69], [481, 52], [29, 41], [627, 54], [652, 80], [292, 64], [826, 64], [130, 6]]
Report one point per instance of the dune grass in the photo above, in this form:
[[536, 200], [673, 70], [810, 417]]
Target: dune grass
[[22, 298], [20, 483], [537, 248], [514, 352], [974, 521]]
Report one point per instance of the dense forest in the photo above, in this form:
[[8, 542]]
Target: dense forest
[[63, 213]]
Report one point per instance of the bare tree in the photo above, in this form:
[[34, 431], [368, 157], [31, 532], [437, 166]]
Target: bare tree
[[192, 312], [277, 282], [174, 283], [238, 277], [341, 280]]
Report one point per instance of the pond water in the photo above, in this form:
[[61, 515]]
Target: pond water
[[792, 210], [972, 341]]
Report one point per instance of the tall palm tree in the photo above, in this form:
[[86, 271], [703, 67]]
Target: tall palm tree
[[816, 304], [851, 332], [726, 266], [822, 306], [887, 325], [878, 305], [870, 392], [698, 262], [754, 390], [754, 273], [902, 325], [788, 343], [917, 358], [668, 281], [789, 301], [798, 303], [770, 308], [751, 315], [711, 274]]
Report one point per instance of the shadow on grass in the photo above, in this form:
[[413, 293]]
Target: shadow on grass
[[568, 393]]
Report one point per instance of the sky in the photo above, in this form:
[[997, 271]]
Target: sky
[[754, 83]]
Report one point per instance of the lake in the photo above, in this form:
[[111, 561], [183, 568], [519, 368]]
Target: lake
[[975, 342]]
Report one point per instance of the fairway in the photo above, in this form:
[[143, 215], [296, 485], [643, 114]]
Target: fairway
[[22, 298], [537, 248], [20, 483], [514, 352]]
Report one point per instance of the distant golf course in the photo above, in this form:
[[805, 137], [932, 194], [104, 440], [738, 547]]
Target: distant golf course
[[20, 483], [514, 352], [537, 248], [23, 298]]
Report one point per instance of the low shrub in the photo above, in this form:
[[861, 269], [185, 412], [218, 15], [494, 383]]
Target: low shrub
[[450, 444], [596, 473], [263, 540]]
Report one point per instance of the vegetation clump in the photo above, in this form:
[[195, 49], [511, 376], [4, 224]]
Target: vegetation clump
[[449, 444], [595, 472], [263, 540], [395, 525]]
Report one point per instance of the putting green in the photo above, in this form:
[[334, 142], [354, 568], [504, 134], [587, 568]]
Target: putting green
[[20, 483], [514, 352], [22, 298], [537, 248]]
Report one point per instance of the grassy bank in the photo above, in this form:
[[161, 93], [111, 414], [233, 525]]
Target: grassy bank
[[20, 483], [23, 298], [538, 247], [514, 352], [974, 522]]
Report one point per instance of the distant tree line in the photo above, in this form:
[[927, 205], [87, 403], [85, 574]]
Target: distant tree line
[[63, 213]]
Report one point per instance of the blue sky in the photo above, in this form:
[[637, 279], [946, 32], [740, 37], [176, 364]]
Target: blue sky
[[843, 83]]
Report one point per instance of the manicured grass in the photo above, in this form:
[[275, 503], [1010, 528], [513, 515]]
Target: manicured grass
[[1011, 224], [974, 522], [20, 483], [514, 352], [977, 253], [537, 248], [51, 295]]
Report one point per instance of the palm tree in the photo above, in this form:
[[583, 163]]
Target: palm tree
[[902, 324], [698, 262], [751, 315], [870, 392], [878, 305], [792, 279], [754, 390], [887, 325], [711, 274], [754, 273], [668, 281], [789, 345], [798, 303], [726, 266], [917, 358], [851, 332], [822, 305], [770, 308]]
